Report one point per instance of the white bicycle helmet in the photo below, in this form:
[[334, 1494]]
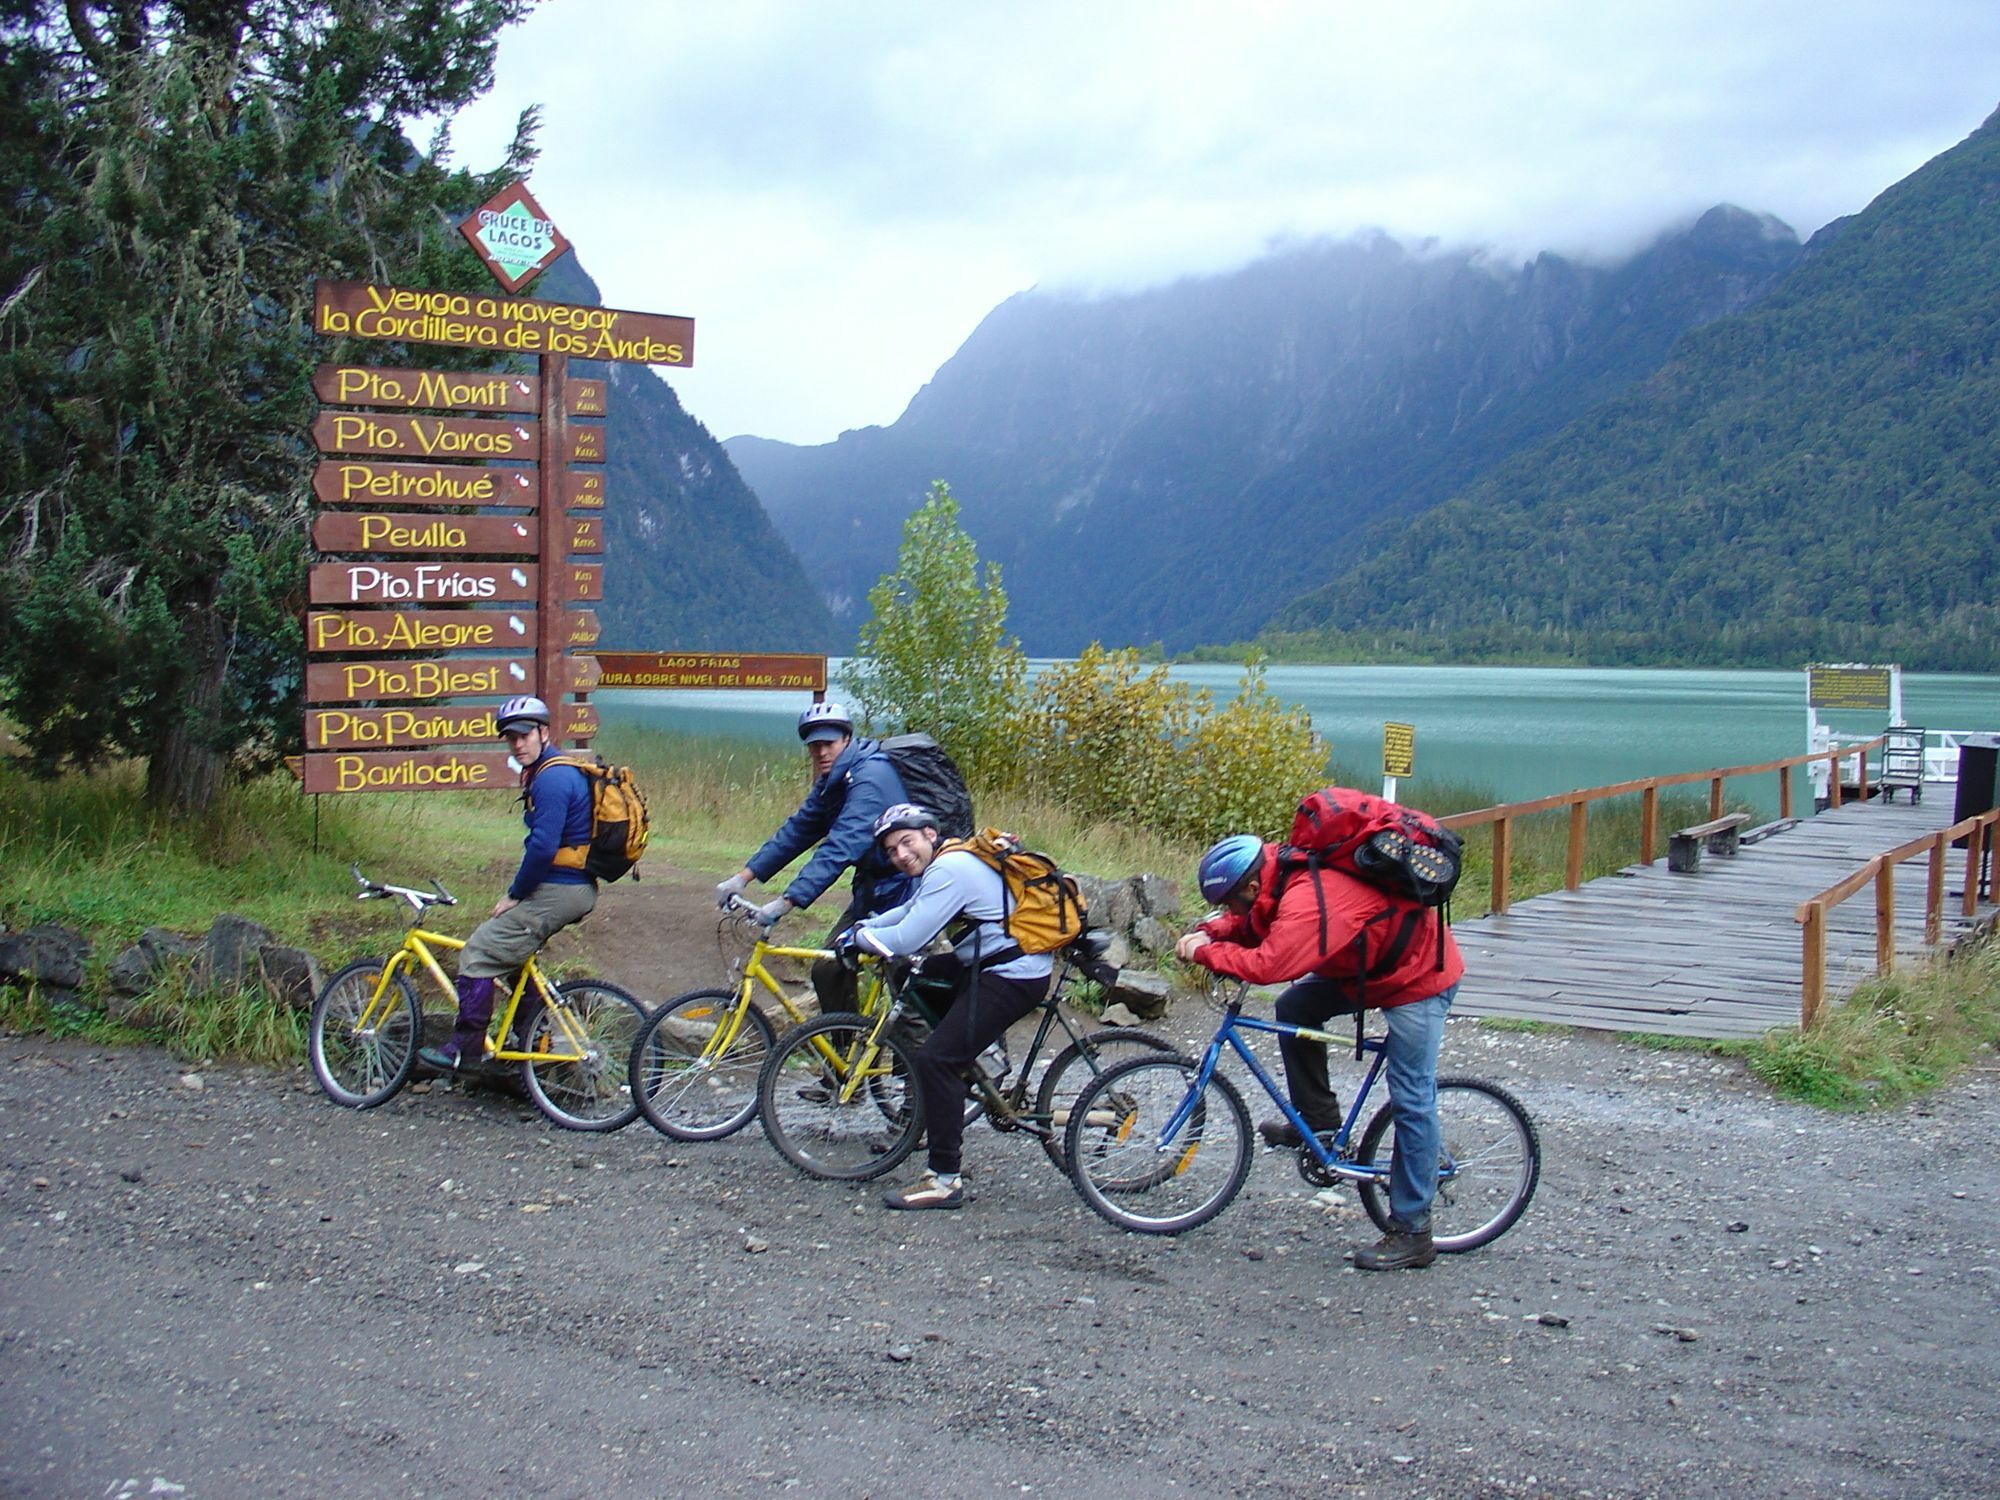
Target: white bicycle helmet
[[824, 721], [903, 815], [520, 713]]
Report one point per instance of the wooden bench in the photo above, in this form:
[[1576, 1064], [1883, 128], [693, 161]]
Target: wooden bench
[[1720, 834]]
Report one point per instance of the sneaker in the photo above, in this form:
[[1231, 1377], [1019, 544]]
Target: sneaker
[[1398, 1250], [931, 1191], [437, 1057], [1280, 1132]]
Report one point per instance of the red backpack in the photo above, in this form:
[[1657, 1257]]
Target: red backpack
[[1407, 855]]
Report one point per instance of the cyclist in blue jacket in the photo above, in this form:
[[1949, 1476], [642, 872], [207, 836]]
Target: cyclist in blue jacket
[[549, 891], [854, 783]]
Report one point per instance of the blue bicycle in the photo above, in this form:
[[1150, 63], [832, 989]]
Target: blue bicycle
[[1160, 1145]]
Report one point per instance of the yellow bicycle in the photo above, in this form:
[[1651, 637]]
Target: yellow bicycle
[[571, 1040], [695, 1063], [838, 1096]]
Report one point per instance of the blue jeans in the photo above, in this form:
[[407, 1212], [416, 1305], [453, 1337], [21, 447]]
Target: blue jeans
[[1416, 1031]]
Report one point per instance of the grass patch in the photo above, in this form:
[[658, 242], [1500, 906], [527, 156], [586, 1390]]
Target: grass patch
[[1524, 1025], [1660, 1041], [1895, 1037], [243, 1026], [1889, 1041], [86, 852]]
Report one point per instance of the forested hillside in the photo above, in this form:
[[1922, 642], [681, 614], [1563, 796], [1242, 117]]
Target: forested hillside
[[691, 561], [1175, 464], [1816, 477]]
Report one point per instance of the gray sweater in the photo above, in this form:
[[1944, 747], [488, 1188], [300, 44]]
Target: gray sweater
[[957, 883]]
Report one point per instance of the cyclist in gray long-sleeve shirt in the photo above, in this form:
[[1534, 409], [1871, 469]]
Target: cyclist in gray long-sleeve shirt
[[998, 984]]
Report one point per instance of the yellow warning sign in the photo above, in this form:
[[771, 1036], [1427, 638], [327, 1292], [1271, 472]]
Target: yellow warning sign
[[1399, 750]]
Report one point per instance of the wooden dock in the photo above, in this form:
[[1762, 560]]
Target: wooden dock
[[1714, 953]]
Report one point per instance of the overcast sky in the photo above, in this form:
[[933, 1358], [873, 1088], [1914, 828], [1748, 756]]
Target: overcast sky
[[837, 191]]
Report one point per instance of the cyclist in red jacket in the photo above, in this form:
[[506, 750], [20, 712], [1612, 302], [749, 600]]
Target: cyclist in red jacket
[[1342, 945]]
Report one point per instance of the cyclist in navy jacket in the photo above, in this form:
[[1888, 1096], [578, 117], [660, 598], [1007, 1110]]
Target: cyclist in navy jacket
[[854, 783], [549, 891]]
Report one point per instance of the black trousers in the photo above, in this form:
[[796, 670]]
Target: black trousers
[[980, 1014], [1312, 1002]]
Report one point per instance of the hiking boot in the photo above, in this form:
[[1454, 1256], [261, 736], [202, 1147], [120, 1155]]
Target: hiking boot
[[1398, 1250], [1279, 1132], [931, 1191]]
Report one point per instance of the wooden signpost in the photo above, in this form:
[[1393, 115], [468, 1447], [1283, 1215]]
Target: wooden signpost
[[457, 506], [351, 482], [711, 669]]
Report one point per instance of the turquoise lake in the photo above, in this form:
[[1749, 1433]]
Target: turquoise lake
[[1518, 731]]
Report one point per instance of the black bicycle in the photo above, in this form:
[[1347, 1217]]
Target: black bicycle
[[838, 1095]]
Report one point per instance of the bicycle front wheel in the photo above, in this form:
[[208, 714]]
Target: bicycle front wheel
[[1074, 1068], [1489, 1161], [585, 1083], [1132, 1172], [363, 1066], [692, 1078], [838, 1106]]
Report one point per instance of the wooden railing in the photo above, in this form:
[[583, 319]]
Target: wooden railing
[[1880, 872], [1502, 818]]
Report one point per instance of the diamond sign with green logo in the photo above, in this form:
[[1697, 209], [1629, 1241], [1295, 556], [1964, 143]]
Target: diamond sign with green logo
[[513, 236]]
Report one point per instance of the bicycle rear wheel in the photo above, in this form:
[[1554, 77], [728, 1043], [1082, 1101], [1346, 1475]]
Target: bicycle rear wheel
[[1489, 1163], [1129, 1171], [687, 1083], [363, 1068], [837, 1107], [592, 1091], [1074, 1068]]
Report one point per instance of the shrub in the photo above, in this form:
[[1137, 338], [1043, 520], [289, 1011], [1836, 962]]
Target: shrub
[[1116, 742], [934, 655]]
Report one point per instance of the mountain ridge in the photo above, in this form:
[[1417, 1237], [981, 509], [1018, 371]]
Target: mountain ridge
[[1285, 405], [1814, 477], [691, 560]]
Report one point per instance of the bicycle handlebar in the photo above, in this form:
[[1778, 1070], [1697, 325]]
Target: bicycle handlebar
[[372, 890]]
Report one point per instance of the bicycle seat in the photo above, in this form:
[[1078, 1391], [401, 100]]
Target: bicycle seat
[[1091, 944], [1087, 951]]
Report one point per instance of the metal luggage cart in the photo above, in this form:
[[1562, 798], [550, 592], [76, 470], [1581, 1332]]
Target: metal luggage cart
[[1903, 762]]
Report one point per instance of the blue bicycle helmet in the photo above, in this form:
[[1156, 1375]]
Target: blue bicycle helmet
[[1228, 860]]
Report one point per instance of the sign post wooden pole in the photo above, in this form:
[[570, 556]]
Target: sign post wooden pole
[[554, 553]]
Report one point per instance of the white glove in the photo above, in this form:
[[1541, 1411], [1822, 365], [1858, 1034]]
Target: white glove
[[734, 886], [770, 911]]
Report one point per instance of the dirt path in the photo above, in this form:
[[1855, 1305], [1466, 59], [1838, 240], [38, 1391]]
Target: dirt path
[[236, 1288]]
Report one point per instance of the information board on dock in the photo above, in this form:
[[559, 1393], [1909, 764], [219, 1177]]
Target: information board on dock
[[1862, 688]]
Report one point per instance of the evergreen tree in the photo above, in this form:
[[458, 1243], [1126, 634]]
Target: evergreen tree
[[935, 654], [173, 176]]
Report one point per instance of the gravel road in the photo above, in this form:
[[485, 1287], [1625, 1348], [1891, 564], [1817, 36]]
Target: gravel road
[[220, 1284]]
